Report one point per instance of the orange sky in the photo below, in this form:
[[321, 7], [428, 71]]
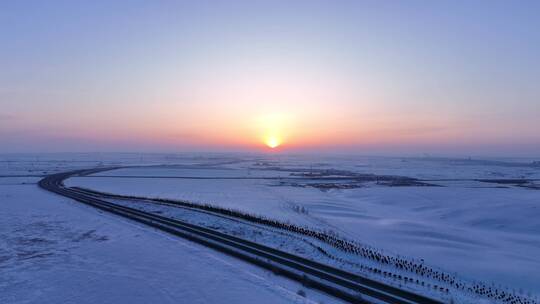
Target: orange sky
[[395, 77]]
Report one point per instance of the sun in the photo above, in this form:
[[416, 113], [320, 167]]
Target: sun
[[271, 128], [272, 142]]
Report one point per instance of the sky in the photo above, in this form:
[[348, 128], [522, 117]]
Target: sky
[[368, 77]]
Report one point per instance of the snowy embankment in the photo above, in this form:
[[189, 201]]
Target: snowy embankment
[[319, 246]]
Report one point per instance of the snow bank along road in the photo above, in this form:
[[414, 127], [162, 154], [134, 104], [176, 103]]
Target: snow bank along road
[[339, 283]]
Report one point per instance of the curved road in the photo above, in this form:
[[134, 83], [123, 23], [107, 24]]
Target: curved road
[[344, 285]]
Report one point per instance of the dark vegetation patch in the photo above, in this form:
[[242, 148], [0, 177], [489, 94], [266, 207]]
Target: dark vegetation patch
[[353, 184], [406, 183], [505, 181], [322, 186], [25, 241], [523, 183], [90, 235], [32, 254]]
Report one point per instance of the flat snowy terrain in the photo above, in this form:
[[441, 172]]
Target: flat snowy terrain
[[475, 219], [480, 230]]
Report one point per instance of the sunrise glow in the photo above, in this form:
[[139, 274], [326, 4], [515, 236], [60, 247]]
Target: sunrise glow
[[296, 75], [273, 142]]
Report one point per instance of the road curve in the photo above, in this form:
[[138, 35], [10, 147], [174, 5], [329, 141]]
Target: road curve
[[341, 284]]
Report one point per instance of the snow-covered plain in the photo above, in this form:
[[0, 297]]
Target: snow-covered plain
[[479, 230], [54, 250]]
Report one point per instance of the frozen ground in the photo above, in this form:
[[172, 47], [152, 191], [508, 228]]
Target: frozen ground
[[482, 231], [54, 250]]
